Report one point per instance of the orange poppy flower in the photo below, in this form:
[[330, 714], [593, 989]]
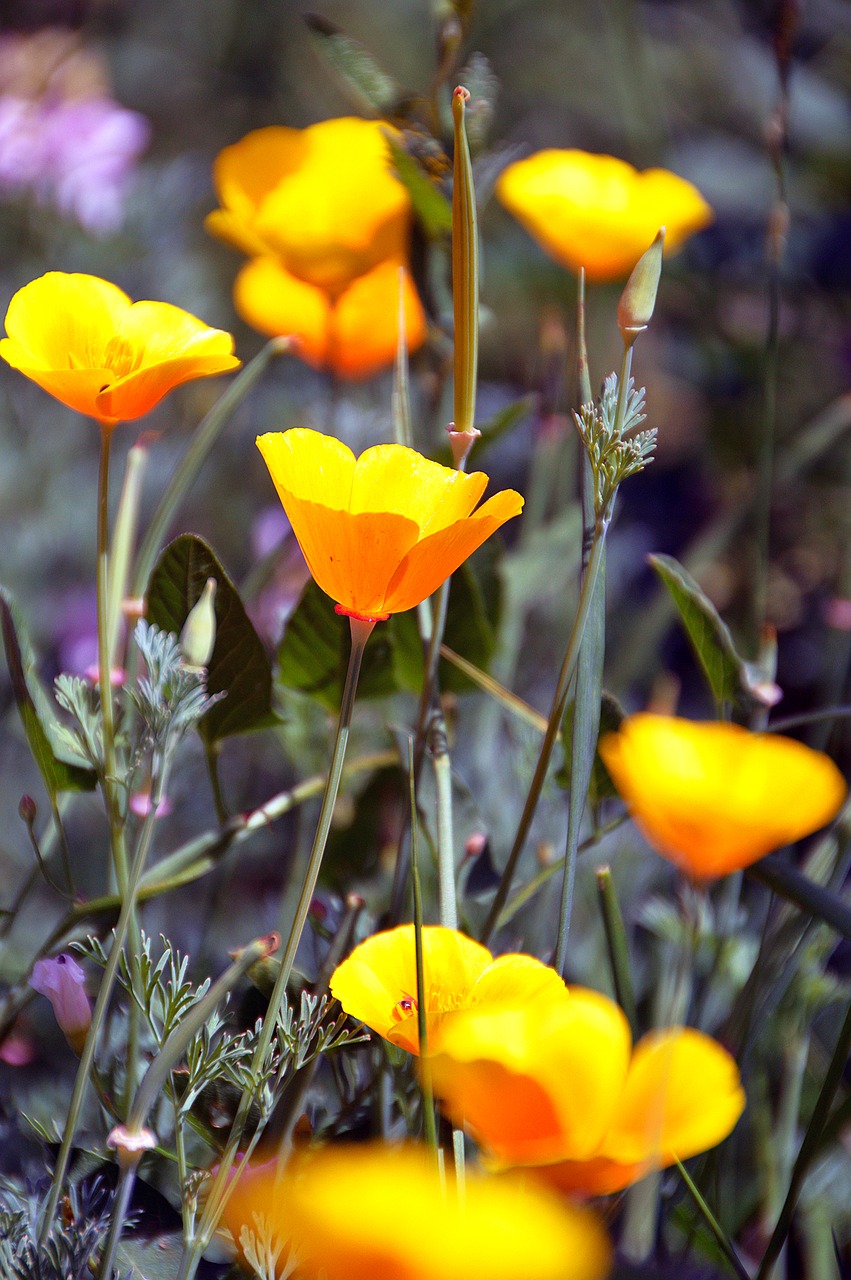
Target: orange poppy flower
[[377, 984], [558, 1088], [598, 212], [353, 333], [85, 342], [357, 1213], [326, 224], [381, 532], [713, 797]]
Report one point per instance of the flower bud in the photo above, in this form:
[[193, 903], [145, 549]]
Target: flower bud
[[63, 981], [27, 809], [638, 299], [198, 637]]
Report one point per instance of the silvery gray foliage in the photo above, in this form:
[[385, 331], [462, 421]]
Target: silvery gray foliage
[[165, 994], [172, 697], [614, 453], [84, 736], [74, 1243]]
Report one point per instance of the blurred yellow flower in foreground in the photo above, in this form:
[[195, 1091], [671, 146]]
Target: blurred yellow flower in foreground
[[326, 224], [598, 212], [377, 984], [713, 797], [558, 1088], [383, 1213], [381, 532], [85, 342]]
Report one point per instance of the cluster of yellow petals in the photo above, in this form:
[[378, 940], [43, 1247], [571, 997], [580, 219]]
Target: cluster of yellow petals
[[713, 797], [541, 1075], [326, 226], [598, 212], [385, 1213], [380, 532], [85, 342], [377, 983]]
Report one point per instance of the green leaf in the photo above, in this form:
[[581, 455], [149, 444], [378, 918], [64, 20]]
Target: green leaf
[[368, 84], [314, 651], [240, 667], [430, 204], [155, 1258], [60, 770], [726, 672]]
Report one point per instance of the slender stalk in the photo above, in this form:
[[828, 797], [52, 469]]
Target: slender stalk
[[87, 1057], [447, 905], [730, 1255], [361, 629], [553, 724], [119, 856], [429, 1126], [190, 464], [618, 946], [809, 1146]]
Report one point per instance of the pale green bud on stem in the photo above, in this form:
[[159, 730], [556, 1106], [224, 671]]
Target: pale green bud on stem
[[635, 309], [198, 637], [465, 269]]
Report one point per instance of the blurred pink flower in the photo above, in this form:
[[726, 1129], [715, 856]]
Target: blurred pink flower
[[77, 155], [63, 981]]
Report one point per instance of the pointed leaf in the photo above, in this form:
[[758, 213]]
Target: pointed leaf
[[725, 671], [59, 768], [314, 653], [368, 84], [240, 667]]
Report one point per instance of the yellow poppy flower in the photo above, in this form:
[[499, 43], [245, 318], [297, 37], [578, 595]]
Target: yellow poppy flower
[[713, 797], [358, 1213], [598, 212], [353, 333], [558, 1089], [381, 532], [85, 342], [377, 984], [323, 200]]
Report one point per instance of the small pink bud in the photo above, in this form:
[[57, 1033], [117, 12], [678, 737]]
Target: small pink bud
[[27, 809], [64, 983], [475, 845], [140, 804]]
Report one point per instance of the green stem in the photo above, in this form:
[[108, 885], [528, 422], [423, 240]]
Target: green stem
[[448, 907], [617, 943], [84, 1070], [429, 1125], [119, 857], [809, 1146], [361, 629], [208, 432], [553, 723], [730, 1255]]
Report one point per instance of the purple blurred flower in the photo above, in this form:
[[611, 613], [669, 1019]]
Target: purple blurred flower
[[91, 148], [63, 982], [78, 155]]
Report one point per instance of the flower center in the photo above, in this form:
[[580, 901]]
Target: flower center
[[122, 357]]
